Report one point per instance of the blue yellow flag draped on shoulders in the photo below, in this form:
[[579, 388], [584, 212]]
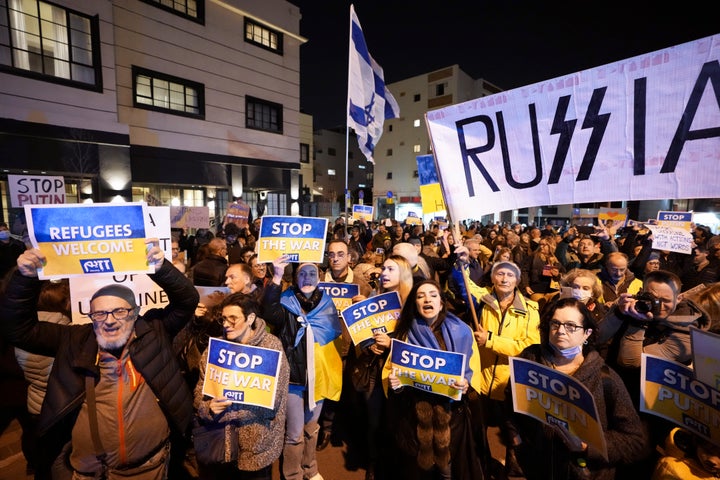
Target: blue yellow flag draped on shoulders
[[369, 100]]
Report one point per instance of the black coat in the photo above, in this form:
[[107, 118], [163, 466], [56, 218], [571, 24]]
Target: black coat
[[75, 349]]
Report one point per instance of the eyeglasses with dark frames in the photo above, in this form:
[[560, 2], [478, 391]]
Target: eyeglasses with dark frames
[[569, 327], [117, 313]]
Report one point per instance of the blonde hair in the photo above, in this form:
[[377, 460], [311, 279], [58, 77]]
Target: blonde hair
[[406, 277]]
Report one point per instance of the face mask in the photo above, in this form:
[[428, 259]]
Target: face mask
[[582, 295], [568, 353], [4, 234]]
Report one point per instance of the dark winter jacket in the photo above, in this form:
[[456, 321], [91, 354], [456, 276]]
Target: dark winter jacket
[[543, 455], [210, 271], [75, 349]]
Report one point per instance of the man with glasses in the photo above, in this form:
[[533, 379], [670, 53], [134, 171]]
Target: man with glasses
[[115, 392], [338, 271]]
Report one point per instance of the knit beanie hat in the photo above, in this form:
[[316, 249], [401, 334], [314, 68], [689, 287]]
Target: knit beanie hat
[[653, 256], [506, 264], [115, 290], [303, 265]]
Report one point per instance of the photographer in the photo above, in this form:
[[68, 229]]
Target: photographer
[[653, 322]]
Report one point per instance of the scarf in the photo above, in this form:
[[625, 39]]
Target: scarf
[[456, 334]]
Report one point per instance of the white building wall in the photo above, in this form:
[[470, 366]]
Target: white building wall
[[216, 55], [30, 100]]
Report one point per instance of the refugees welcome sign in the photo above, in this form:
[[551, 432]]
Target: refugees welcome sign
[[643, 128]]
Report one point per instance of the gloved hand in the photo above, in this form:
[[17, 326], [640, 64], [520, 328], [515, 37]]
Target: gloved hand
[[572, 442]]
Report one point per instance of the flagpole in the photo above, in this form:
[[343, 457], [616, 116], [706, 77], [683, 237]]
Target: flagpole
[[347, 127]]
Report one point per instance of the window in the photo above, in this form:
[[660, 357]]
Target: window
[[192, 9], [263, 36], [332, 152], [388, 176], [439, 89], [304, 153], [416, 123], [38, 39], [415, 174], [361, 167], [390, 127], [165, 93], [331, 172], [389, 152], [416, 97], [416, 148], [263, 115]]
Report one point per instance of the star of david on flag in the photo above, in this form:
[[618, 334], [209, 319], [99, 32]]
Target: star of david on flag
[[369, 100]]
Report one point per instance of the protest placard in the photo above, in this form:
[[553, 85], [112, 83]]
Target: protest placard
[[360, 212], [675, 219], [430, 190], [241, 373], [189, 217], [672, 239], [706, 356], [302, 239], [35, 189], [555, 398], [340, 292], [147, 293], [670, 390], [427, 369], [238, 213], [364, 318], [211, 296], [79, 239], [157, 225]]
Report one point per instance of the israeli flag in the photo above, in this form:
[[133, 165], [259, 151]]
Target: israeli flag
[[369, 101]]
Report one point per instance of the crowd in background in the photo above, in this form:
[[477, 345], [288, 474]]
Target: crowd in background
[[568, 297]]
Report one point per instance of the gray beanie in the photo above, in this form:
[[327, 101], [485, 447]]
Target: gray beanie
[[509, 265], [116, 290]]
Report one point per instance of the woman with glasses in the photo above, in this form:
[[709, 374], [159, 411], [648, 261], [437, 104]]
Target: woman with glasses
[[567, 344], [259, 430], [261, 275]]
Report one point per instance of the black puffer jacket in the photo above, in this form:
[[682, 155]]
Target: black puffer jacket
[[284, 324], [75, 349]]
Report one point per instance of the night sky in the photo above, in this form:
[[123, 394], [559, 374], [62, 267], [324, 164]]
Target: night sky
[[508, 43]]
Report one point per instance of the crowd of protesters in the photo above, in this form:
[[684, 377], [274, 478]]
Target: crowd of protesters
[[562, 297]]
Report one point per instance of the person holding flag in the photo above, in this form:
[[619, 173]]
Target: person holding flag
[[307, 323]]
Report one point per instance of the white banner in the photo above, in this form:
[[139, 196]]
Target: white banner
[[643, 128]]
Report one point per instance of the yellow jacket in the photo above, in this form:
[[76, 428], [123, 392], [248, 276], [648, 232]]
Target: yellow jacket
[[519, 329]]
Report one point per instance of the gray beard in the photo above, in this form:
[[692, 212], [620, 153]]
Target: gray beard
[[114, 345]]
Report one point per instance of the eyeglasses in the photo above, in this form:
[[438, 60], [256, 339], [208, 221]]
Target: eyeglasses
[[569, 327], [117, 313], [336, 255]]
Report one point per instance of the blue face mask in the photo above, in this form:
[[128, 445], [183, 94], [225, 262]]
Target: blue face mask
[[568, 353], [4, 234]]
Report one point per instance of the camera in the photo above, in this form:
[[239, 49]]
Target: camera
[[647, 303], [373, 281]]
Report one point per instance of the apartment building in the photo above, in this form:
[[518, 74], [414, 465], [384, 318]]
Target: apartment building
[[183, 102]]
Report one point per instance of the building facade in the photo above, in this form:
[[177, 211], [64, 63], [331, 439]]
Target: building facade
[[190, 102], [396, 191]]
